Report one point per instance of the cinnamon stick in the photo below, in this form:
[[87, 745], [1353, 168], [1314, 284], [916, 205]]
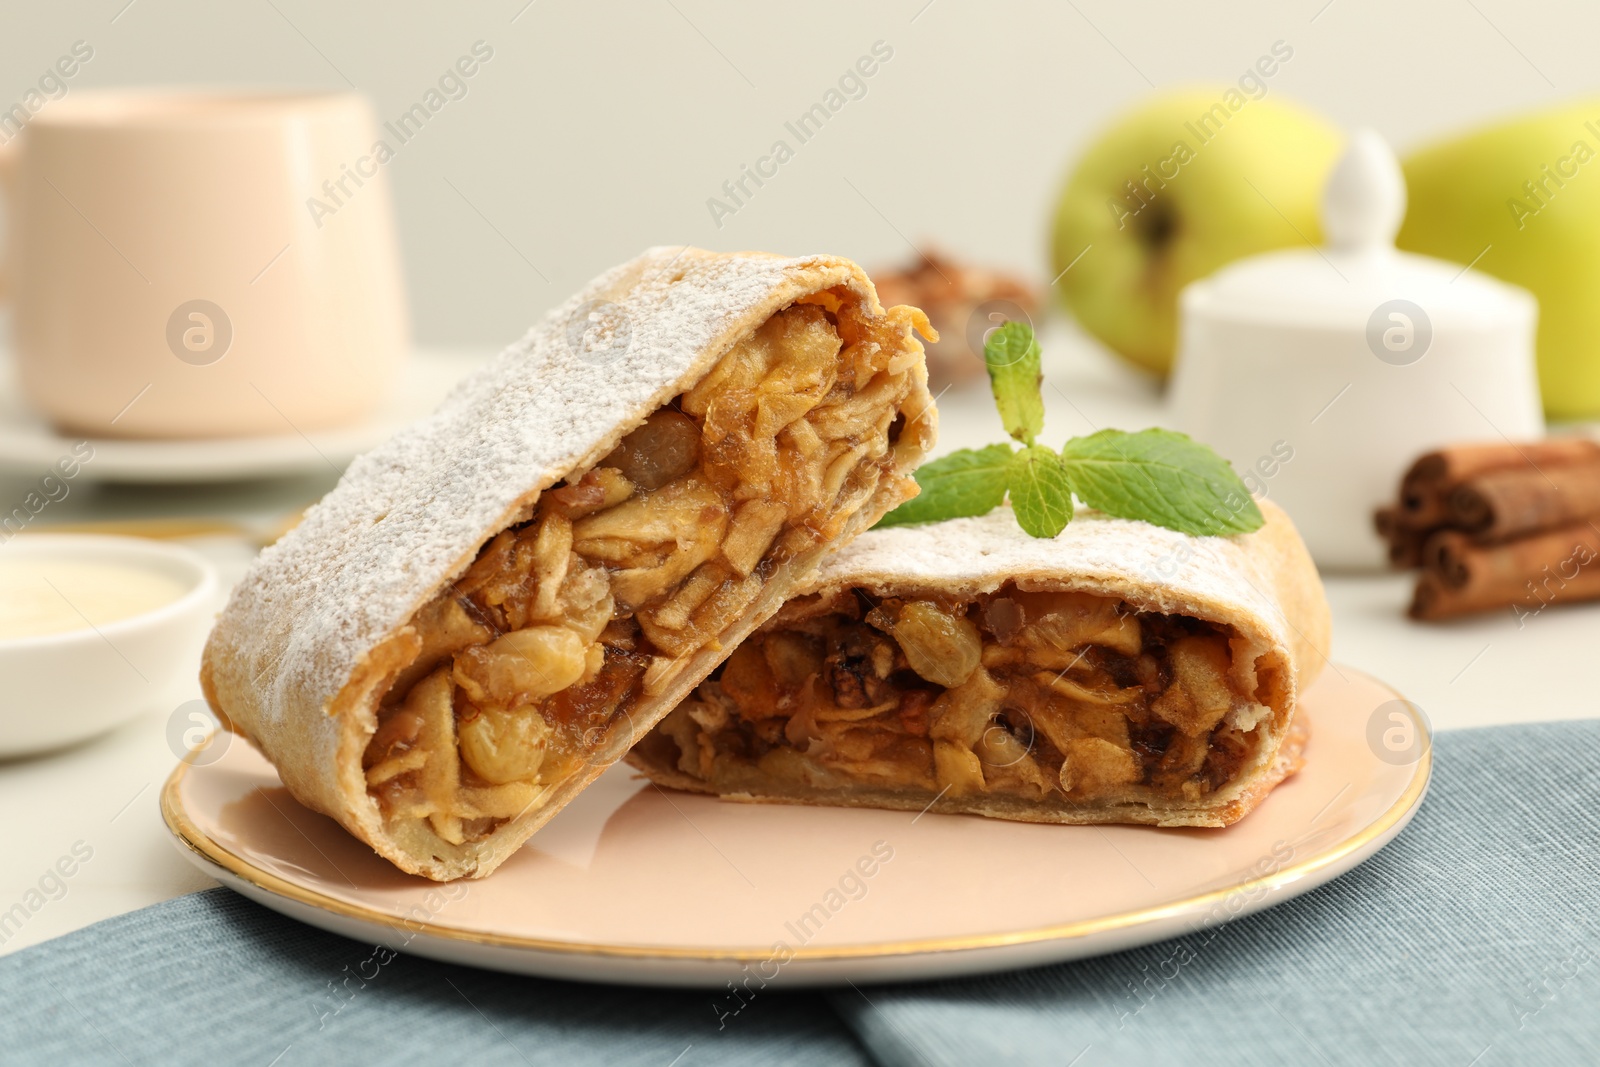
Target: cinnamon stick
[[1498, 505], [1526, 575], [1405, 542], [1445, 555], [1427, 484]]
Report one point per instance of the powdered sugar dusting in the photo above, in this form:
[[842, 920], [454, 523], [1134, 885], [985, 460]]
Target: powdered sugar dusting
[[409, 515], [1096, 552]]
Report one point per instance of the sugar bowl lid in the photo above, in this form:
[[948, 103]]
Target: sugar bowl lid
[[1358, 268]]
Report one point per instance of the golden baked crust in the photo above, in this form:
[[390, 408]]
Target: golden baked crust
[[311, 645], [1254, 601]]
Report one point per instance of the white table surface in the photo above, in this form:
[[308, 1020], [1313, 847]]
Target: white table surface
[[103, 793]]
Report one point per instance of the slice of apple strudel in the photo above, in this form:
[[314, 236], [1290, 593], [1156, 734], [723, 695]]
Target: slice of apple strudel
[[1119, 672], [497, 603]]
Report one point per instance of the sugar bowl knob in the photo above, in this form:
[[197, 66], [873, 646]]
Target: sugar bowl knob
[[1365, 198]]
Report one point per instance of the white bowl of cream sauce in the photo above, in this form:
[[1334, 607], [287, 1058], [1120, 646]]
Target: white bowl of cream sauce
[[93, 631]]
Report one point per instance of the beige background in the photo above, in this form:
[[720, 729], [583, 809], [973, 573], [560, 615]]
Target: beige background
[[599, 128]]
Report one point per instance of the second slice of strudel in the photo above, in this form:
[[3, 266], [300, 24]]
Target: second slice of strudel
[[1118, 673]]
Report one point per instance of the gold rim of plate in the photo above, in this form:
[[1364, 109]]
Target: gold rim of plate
[[198, 841]]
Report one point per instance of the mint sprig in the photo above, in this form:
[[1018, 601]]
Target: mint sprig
[[1160, 476], [1040, 492], [1156, 476], [969, 481], [1012, 356]]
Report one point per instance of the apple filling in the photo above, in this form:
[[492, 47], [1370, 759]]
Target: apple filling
[[526, 666], [1069, 696]]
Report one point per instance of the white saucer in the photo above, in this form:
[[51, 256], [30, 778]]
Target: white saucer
[[30, 446]]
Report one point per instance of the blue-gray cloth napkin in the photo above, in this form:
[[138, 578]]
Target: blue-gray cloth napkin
[[214, 979], [1470, 940]]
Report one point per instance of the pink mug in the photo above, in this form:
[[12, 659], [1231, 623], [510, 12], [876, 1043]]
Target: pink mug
[[176, 270]]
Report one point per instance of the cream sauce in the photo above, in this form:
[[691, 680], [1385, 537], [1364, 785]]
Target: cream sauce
[[50, 595]]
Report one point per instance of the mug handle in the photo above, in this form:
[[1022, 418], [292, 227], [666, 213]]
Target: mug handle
[[8, 171]]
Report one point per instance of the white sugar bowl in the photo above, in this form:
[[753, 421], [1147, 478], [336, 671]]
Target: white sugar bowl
[[1321, 373]]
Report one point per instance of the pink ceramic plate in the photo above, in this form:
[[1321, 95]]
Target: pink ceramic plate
[[633, 884]]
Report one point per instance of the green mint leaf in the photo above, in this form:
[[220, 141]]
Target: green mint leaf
[[1012, 356], [1160, 477], [966, 482], [1040, 494]]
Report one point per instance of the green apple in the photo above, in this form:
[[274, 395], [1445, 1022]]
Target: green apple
[[1521, 200], [1176, 188]]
